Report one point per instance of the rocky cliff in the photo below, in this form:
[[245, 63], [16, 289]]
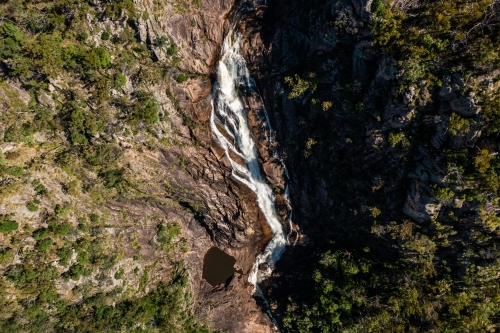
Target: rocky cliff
[[380, 130], [125, 143]]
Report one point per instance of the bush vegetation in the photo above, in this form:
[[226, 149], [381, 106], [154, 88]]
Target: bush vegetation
[[372, 269], [7, 225], [64, 146]]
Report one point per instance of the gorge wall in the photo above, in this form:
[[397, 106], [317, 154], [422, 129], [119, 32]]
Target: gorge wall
[[383, 131]]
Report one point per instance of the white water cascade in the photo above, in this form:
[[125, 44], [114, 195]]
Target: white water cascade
[[230, 128]]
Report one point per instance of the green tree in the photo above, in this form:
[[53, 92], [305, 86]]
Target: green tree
[[299, 86], [458, 125]]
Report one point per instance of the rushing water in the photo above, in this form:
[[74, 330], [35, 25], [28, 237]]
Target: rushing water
[[229, 125]]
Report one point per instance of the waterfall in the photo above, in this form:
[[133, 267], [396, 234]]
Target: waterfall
[[229, 125]]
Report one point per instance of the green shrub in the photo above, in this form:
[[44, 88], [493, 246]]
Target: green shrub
[[396, 138], [119, 80], [82, 125], [44, 245], [94, 218], [181, 78], [160, 41], [9, 48], [482, 160], [39, 187], [146, 108], [32, 207], [62, 229], [7, 225], [40, 234], [119, 273], [62, 210], [64, 254], [112, 178], [118, 8], [166, 233], [5, 254], [83, 36], [79, 138], [443, 194], [83, 227], [176, 61], [15, 171], [172, 50], [76, 271], [458, 125], [12, 31], [98, 58], [299, 86], [105, 35]]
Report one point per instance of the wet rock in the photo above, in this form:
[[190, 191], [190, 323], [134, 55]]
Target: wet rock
[[273, 171]]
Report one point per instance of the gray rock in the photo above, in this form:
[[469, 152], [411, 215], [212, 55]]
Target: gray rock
[[464, 106], [385, 70], [362, 53], [440, 136], [46, 100], [397, 116], [142, 29], [447, 94], [363, 8], [419, 205]]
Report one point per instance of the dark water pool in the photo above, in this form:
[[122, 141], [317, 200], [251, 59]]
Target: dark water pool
[[218, 266]]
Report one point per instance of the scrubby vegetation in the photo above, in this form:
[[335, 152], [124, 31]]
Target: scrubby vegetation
[[75, 94], [425, 96]]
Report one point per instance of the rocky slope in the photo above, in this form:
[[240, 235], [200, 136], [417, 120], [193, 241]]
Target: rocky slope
[[135, 176]]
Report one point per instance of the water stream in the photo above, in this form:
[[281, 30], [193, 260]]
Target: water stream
[[229, 125]]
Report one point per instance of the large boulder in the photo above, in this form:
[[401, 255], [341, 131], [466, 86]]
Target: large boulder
[[464, 106]]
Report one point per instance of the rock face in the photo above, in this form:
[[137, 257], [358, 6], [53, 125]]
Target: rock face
[[198, 30], [225, 213]]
